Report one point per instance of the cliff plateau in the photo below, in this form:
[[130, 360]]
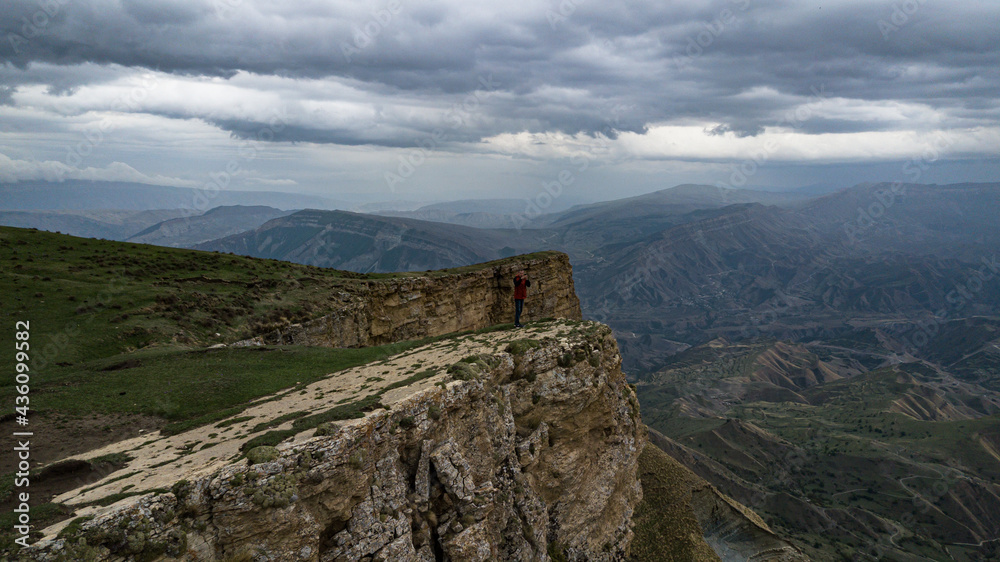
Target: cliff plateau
[[525, 452]]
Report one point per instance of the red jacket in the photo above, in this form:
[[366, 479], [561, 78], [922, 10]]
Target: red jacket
[[521, 287]]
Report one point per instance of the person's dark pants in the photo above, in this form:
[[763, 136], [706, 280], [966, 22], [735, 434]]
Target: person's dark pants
[[518, 307]]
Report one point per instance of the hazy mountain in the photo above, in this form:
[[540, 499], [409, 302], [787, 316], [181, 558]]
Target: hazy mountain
[[378, 207], [476, 220], [498, 206], [76, 194], [684, 265], [787, 271], [186, 232], [671, 201], [98, 223], [915, 218], [369, 243], [479, 213], [586, 229]]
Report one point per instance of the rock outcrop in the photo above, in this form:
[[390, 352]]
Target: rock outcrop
[[388, 310], [527, 451]]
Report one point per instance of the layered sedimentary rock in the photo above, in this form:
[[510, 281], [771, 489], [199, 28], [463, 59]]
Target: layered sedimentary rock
[[528, 451], [385, 311]]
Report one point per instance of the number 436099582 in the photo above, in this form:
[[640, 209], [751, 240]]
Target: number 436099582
[[21, 345]]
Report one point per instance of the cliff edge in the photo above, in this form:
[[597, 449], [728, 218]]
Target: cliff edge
[[514, 445], [407, 306]]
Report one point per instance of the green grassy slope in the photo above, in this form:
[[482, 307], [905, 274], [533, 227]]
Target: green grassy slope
[[123, 328], [90, 298], [666, 529]]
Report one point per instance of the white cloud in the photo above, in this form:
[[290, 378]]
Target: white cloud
[[691, 142], [191, 84], [12, 171], [272, 182]]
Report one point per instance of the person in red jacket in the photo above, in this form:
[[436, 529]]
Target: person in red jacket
[[521, 284]]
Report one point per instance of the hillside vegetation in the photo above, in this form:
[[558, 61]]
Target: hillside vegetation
[[126, 338], [852, 461]]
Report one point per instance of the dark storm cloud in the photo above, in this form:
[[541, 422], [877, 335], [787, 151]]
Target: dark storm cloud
[[595, 68], [738, 130]]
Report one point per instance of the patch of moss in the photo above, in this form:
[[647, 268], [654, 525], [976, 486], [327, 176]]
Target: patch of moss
[[277, 492], [464, 371], [271, 438], [520, 347], [557, 552], [343, 412], [263, 453], [325, 428], [71, 530]]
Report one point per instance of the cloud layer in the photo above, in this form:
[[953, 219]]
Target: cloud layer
[[650, 80]]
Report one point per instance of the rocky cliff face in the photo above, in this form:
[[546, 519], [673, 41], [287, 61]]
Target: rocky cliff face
[[525, 451], [385, 311]]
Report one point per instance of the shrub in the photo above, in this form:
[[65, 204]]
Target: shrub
[[520, 347], [463, 371], [263, 453], [270, 439]]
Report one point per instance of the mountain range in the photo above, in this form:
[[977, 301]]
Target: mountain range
[[830, 361], [90, 195], [369, 243], [185, 232]]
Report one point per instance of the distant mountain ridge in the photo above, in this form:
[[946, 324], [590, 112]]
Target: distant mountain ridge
[[479, 213], [78, 194], [671, 201], [819, 359], [369, 243], [100, 223], [185, 232]]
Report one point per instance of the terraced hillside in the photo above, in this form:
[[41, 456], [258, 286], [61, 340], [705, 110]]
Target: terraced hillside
[[839, 445]]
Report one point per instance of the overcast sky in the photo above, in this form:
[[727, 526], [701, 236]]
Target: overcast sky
[[429, 100]]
